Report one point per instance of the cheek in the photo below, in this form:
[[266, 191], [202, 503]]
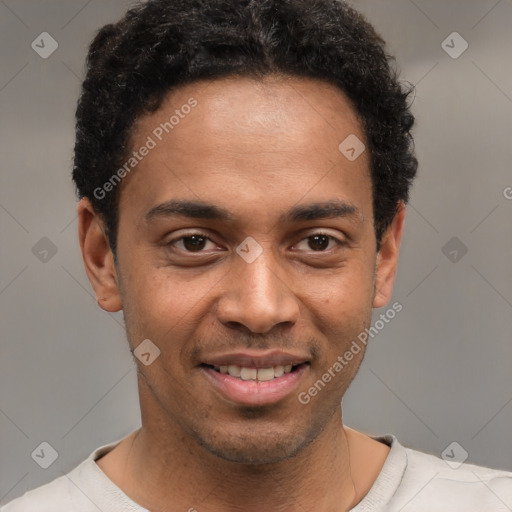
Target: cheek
[[149, 304], [341, 306], [346, 292], [166, 309]]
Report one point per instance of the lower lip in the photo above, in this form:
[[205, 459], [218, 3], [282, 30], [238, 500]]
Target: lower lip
[[252, 392]]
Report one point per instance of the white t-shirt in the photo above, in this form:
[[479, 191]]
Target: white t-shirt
[[410, 481]]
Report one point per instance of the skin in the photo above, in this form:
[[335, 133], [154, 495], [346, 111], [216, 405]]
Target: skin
[[256, 148]]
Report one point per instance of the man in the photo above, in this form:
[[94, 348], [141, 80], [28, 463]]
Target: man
[[243, 169]]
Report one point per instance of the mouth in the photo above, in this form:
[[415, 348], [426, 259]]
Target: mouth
[[251, 373], [251, 380]]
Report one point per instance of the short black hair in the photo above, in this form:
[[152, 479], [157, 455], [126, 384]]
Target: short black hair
[[162, 44]]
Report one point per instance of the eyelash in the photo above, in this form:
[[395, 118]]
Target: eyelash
[[338, 242]]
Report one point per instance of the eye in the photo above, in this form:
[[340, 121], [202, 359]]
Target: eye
[[319, 242], [196, 242], [193, 242]]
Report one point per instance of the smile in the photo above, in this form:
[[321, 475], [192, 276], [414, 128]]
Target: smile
[[259, 374], [251, 386]]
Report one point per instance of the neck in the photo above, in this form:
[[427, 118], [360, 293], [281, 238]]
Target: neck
[[164, 467]]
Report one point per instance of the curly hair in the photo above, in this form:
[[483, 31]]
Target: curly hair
[[162, 44]]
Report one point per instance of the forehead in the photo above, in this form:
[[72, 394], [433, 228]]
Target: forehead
[[248, 140], [255, 106]]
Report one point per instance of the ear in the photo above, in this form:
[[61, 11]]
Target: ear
[[387, 259], [98, 258]]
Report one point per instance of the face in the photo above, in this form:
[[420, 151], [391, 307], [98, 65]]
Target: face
[[246, 244]]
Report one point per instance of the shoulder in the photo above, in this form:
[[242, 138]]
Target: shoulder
[[55, 496], [80, 490], [431, 483]]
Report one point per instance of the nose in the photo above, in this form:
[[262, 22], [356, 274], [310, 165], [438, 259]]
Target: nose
[[256, 297]]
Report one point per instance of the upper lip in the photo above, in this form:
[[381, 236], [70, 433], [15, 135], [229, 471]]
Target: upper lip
[[256, 359]]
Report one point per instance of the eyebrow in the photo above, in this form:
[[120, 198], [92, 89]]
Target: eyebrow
[[331, 209]]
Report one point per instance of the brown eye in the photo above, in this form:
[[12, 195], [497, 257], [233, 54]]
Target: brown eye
[[320, 242], [194, 242]]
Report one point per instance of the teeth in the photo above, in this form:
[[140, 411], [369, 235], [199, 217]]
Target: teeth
[[248, 373], [278, 371], [260, 374], [265, 373], [234, 370]]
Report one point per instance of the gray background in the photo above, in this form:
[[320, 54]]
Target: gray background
[[438, 373]]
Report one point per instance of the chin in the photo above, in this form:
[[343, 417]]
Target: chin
[[255, 447], [253, 454]]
